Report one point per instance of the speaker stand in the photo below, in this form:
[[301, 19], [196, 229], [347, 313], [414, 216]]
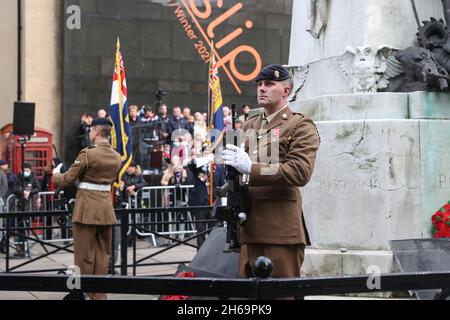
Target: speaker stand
[[23, 140]]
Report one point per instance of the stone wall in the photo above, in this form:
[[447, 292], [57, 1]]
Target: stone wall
[[8, 56]]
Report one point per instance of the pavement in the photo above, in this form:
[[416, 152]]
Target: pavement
[[63, 260]]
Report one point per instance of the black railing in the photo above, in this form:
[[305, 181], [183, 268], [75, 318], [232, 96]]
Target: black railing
[[257, 288], [25, 233]]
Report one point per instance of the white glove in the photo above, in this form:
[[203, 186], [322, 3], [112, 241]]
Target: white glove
[[205, 160], [237, 158], [58, 169], [242, 217], [186, 162]]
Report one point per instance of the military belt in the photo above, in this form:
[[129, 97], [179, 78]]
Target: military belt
[[94, 187]]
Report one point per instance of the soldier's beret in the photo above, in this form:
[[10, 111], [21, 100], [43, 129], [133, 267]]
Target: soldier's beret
[[3, 162], [275, 72], [101, 122]]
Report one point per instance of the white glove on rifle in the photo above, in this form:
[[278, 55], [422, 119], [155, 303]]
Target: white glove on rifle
[[237, 158], [58, 169]]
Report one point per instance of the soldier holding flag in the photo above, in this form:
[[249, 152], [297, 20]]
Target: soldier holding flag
[[96, 168]]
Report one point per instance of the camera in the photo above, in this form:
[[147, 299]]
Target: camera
[[159, 94]]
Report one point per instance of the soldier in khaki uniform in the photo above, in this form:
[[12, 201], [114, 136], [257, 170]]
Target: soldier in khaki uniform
[[275, 227], [96, 168]]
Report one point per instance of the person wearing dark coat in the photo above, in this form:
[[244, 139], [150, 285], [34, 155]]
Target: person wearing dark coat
[[133, 181], [199, 195], [177, 123]]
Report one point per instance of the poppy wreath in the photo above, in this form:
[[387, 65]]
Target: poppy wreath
[[441, 222], [183, 274]]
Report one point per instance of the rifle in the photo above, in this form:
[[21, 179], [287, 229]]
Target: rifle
[[69, 192], [56, 158], [237, 194]]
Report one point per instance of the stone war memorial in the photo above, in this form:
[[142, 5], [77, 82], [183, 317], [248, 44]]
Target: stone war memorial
[[374, 77]]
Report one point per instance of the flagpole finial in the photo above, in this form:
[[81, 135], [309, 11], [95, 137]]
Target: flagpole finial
[[118, 43]]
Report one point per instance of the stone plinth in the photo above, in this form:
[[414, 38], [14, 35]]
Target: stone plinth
[[382, 171]]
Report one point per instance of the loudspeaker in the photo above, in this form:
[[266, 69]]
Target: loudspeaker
[[23, 124]]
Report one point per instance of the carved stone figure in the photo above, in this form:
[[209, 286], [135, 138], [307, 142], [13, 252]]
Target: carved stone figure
[[299, 75], [434, 36], [369, 69], [422, 70], [317, 17]]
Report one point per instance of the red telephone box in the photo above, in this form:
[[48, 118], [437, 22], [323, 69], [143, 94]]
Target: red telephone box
[[38, 150]]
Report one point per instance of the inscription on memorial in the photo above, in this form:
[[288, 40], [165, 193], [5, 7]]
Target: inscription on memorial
[[349, 184]]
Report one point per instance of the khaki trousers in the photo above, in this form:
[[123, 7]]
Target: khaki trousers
[[92, 246], [287, 260]]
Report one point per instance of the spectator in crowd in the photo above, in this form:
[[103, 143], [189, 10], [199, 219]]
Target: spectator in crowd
[[163, 112], [200, 134], [3, 182], [199, 195], [245, 113], [227, 120], [149, 115], [164, 118], [132, 181], [186, 113], [187, 116], [134, 115], [135, 126], [27, 186], [174, 175], [191, 123], [12, 179], [176, 125], [31, 185], [102, 113], [142, 111], [83, 131]]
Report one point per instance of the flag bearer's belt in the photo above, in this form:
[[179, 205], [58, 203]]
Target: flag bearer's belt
[[94, 187]]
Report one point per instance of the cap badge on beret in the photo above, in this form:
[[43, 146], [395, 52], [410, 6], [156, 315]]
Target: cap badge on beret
[[274, 72]]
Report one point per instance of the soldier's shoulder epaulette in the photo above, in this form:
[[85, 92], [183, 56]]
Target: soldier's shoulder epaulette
[[254, 116], [298, 114], [315, 126]]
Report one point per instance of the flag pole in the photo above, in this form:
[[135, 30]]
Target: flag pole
[[210, 122]]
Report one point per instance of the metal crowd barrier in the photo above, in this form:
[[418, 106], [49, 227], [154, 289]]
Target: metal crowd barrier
[[24, 234], [2, 208], [44, 229], [163, 197]]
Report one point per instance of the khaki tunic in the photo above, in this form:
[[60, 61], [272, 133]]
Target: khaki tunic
[[98, 165], [276, 217]]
